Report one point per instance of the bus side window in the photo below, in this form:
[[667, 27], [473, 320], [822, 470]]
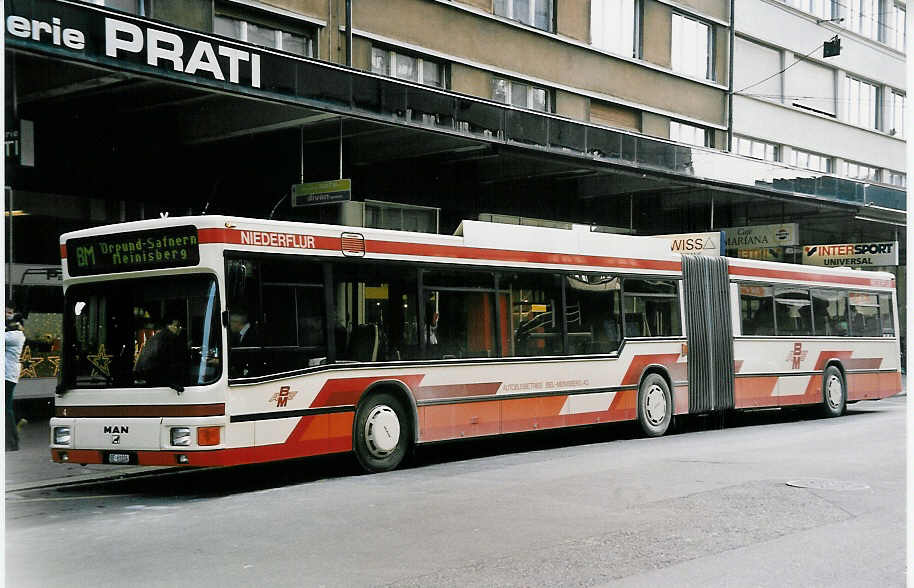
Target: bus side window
[[830, 312], [536, 314], [864, 315], [460, 315], [885, 315], [794, 311], [651, 308], [594, 325], [756, 309]]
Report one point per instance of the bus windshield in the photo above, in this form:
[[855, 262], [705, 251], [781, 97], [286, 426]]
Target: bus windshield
[[143, 332]]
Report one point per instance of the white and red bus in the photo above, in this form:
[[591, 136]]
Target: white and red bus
[[273, 340]]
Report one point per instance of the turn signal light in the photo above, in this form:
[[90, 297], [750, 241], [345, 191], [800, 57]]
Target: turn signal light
[[207, 436]]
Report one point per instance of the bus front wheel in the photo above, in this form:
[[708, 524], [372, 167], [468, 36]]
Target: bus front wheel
[[655, 405], [834, 393], [381, 433]]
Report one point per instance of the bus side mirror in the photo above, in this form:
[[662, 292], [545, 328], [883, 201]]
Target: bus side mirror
[[225, 318]]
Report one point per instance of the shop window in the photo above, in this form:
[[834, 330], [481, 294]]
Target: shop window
[[614, 26], [651, 308], [793, 311], [535, 302], [594, 306], [691, 47], [756, 309], [536, 13], [292, 38], [407, 67], [864, 315], [521, 95], [276, 316], [830, 312]]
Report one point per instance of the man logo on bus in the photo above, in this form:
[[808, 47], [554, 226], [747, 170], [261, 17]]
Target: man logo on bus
[[797, 356], [283, 397]]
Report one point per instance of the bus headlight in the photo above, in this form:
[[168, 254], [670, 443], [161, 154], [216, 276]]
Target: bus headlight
[[61, 435], [180, 436]]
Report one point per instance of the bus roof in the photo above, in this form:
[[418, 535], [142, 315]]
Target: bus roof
[[477, 243]]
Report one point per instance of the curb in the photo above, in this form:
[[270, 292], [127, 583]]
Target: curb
[[88, 478]]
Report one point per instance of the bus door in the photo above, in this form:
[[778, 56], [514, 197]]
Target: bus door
[[706, 293]]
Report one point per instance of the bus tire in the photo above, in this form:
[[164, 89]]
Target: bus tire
[[834, 393], [655, 405], [381, 435]]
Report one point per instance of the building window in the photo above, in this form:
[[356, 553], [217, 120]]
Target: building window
[[298, 41], [820, 8], [691, 47], [613, 26], [859, 171], [407, 67], [520, 95], [895, 29], [897, 178], [810, 161], [536, 13], [862, 103], [757, 149], [863, 17], [895, 124], [683, 133], [131, 6]]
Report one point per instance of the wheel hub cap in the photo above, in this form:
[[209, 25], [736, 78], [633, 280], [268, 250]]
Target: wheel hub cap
[[382, 430], [834, 391], [655, 405]]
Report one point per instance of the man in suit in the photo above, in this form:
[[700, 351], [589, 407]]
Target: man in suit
[[242, 333]]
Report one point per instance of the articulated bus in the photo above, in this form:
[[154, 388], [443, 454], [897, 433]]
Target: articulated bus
[[212, 340]]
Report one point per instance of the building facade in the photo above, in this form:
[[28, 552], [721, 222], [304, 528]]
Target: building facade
[[609, 113]]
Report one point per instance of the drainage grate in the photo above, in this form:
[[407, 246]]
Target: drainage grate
[[821, 484]]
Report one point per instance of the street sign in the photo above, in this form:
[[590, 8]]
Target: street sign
[[314, 193]]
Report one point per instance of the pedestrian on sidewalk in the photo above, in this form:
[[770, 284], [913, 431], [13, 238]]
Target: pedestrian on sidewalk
[[14, 339]]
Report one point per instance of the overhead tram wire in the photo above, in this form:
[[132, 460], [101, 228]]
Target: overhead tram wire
[[777, 73]]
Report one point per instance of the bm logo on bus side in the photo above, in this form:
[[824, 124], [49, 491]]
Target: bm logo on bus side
[[282, 397], [797, 356]]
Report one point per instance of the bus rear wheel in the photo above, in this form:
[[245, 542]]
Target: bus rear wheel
[[381, 435], [834, 393], [655, 405]]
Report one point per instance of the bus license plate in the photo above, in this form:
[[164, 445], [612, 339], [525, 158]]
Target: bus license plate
[[118, 458]]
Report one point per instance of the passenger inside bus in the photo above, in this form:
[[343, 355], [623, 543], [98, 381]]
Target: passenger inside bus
[[163, 360]]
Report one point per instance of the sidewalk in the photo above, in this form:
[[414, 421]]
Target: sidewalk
[[31, 466]]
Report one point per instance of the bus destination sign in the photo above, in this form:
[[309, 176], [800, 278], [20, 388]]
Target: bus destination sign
[[135, 251]]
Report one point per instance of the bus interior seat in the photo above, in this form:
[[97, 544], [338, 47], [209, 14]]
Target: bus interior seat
[[365, 342], [635, 325]]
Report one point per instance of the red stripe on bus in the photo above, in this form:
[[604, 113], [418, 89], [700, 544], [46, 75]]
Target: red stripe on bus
[[460, 252], [811, 277], [753, 392], [456, 390], [233, 237], [849, 363], [347, 391], [141, 410], [678, 370], [63, 252]]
